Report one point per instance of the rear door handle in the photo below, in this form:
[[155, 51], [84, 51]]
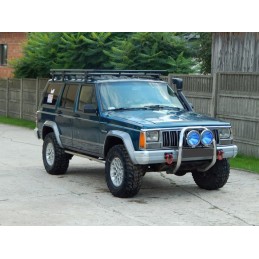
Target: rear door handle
[[59, 112]]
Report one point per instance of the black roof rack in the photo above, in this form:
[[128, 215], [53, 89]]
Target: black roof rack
[[87, 74]]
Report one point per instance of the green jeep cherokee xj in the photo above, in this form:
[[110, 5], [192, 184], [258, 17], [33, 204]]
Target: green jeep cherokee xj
[[134, 123]]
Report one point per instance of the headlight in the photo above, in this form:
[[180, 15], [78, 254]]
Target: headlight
[[193, 138], [152, 136], [224, 133], [206, 137]]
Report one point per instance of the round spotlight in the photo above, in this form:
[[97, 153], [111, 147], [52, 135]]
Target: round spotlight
[[206, 137], [193, 138]]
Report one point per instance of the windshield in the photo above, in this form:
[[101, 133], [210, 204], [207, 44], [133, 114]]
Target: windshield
[[138, 94]]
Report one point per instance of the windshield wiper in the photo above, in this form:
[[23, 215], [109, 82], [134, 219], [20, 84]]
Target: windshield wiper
[[127, 108], [158, 106]]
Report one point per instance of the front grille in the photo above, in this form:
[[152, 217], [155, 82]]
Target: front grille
[[171, 138], [216, 135]]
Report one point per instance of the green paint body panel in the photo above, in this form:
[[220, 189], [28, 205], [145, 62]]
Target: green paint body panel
[[129, 121]]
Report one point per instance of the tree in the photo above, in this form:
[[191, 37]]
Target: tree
[[100, 50], [84, 50], [147, 50], [44, 51], [39, 55], [204, 53]]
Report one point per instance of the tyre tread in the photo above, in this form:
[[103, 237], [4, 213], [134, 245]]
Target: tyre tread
[[215, 178], [133, 174]]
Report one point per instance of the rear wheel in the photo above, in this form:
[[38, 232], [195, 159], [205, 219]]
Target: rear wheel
[[215, 178], [123, 178], [55, 159]]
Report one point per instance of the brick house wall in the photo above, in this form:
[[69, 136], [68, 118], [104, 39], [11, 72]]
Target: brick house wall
[[14, 42]]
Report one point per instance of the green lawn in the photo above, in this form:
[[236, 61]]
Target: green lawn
[[17, 122], [246, 163]]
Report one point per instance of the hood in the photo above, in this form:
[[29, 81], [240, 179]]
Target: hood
[[163, 118]]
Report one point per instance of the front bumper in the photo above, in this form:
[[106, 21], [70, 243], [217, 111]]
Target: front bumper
[[147, 157], [37, 133]]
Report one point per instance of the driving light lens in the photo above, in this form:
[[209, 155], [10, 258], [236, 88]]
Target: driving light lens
[[224, 133], [193, 138], [206, 137], [152, 136]]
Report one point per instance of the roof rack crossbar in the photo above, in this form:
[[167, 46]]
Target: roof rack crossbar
[[86, 73]]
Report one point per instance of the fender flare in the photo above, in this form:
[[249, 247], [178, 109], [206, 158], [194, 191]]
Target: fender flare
[[53, 125], [126, 139]]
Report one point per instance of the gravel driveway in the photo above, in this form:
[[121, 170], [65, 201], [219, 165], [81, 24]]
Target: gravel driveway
[[29, 196]]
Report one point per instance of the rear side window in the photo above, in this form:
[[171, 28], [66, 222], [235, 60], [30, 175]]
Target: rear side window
[[87, 96], [68, 97], [51, 95]]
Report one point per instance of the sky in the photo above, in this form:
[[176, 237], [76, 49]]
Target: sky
[[128, 15]]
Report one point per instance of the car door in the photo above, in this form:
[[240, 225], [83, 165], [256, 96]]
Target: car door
[[65, 114], [86, 127]]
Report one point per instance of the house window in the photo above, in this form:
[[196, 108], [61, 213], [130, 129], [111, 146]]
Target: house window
[[3, 54]]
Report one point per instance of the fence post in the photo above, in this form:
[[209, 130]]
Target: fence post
[[21, 98], [214, 100], [37, 92], [7, 98], [169, 79]]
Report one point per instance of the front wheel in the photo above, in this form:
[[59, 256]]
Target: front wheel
[[215, 178], [123, 178]]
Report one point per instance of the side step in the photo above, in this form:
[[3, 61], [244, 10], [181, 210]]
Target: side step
[[100, 160]]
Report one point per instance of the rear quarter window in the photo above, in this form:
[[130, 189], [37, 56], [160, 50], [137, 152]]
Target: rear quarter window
[[51, 94]]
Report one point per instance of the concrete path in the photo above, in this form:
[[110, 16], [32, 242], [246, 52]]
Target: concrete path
[[30, 196]]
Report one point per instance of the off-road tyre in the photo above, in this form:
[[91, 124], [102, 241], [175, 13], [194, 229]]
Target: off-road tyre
[[61, 159], [215, 178], [132, 175]]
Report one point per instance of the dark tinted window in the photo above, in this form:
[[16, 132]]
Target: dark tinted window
[[3, 54], [52, 93], [68, 97], [87, 96]]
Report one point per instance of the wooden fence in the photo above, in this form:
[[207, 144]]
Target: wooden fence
[[233, 97], [198, 90], [19, 98], [237, 101]]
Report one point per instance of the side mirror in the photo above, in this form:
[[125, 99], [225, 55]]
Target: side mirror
[[89, 108], [179, 84]]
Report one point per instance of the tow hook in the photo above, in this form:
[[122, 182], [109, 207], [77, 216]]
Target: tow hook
[[169, 158], [220, 154]]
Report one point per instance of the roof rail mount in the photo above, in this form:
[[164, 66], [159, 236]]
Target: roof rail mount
[[86, 74]]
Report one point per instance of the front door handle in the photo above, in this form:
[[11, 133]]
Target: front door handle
[[59, 112]]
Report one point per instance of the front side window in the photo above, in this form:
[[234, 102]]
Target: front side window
[[51, 94], [3, 54], [137, 94], [87, 96], [68, 97]]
